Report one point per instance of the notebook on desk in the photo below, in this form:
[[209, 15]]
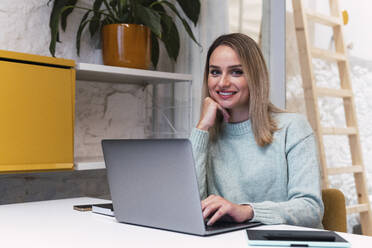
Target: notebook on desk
[[153, 183], [295, 238], [103, 208]]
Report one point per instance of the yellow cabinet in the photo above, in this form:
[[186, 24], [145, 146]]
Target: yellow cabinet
[[36, 112]]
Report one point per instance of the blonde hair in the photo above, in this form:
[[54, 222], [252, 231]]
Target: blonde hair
[[255, 70]]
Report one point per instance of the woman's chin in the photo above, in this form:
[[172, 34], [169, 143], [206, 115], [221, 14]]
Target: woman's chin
[[225, 105]]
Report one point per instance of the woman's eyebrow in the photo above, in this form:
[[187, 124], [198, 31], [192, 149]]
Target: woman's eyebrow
[[235, 66], [213, 66], [231, 66]]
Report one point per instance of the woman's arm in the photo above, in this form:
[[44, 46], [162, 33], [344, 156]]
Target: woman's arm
[[199, 140], [200, 137], [213, 206], [304, 206]]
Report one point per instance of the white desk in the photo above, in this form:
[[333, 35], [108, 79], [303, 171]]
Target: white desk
[[55, 224]]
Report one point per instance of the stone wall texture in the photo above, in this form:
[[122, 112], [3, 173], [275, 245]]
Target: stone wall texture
[[103, 110]]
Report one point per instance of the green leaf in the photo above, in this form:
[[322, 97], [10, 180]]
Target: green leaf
[[94, 24], [191, 8], [110, 9], [107, 21], [154, 50], [146, 3], [53, 24], [149, 18], [122, 6], [158, 8], [97, 6], [66, 13], [170, 37], [95, 21], [82, 25], [124, 18], [122, 3], [184, 22], [113, 4]]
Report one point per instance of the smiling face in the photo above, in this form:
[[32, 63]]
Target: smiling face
[[227, 83]]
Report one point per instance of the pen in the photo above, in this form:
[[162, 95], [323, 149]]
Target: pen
[[300, 237]]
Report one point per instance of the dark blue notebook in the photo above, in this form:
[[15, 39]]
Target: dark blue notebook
[[295, 238]]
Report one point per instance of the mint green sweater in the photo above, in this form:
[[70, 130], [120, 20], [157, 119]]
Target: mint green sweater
[[281, 181]]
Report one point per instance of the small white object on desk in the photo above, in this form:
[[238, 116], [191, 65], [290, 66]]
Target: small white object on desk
[[105, 208], [89, 165]]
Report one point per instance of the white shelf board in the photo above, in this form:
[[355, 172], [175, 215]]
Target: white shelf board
[[89, 165], [113, 74]]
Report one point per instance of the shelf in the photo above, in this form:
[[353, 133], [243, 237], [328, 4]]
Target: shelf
[[121, 75], [113, 74]]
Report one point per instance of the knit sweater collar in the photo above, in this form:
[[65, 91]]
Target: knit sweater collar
[[239, 128]]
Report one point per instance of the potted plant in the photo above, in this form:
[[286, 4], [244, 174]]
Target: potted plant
[[150, 18]]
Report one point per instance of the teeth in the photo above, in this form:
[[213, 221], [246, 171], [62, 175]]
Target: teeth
[[226, 93]]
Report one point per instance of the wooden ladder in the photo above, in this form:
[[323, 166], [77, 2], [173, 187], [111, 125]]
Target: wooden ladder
[[311, 92]]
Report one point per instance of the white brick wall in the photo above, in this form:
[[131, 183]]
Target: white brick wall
[[332, 111]]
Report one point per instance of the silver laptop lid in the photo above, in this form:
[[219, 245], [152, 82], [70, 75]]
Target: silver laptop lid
[[153, 183]]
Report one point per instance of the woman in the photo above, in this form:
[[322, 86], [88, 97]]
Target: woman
[[253, 161]]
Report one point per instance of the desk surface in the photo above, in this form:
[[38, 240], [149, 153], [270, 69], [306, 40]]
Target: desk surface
[[55, 224]]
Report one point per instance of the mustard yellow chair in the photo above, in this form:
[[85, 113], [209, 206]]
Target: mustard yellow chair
[[334, 218]]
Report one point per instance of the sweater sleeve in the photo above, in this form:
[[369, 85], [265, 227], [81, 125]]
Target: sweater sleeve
[[199, 140], [304, 206]]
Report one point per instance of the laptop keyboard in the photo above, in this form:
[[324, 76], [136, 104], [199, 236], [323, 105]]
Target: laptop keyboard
[[221, 225]]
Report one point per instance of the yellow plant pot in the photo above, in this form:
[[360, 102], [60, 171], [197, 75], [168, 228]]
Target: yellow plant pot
[[126, 45]]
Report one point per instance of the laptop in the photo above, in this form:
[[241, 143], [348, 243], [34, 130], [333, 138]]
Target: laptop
[[153, 183]]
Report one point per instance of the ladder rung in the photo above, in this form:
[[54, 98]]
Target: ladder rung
[[339, 130], [323, 19], [345, 169], [333, 92], [358, 208], [327, 55]]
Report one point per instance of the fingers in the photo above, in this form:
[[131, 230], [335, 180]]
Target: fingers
[[208, 115], [207, 201], [224, 112], [209, 111], [217, 215], [212, 208], [215, 205], [212, 105], [218, 208]]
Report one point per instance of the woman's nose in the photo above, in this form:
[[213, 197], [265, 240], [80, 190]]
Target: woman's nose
[[224, 82]]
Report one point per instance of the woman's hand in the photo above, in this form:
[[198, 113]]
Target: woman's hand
[[217, 208], [209, 113]]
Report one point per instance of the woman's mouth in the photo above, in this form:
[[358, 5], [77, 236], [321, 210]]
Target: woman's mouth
[[226, 94]]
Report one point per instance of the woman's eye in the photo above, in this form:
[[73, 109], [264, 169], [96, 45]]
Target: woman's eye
[[214, 72], [237, 73]]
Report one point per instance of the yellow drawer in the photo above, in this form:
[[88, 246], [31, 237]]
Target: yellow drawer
[[37, 116]]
